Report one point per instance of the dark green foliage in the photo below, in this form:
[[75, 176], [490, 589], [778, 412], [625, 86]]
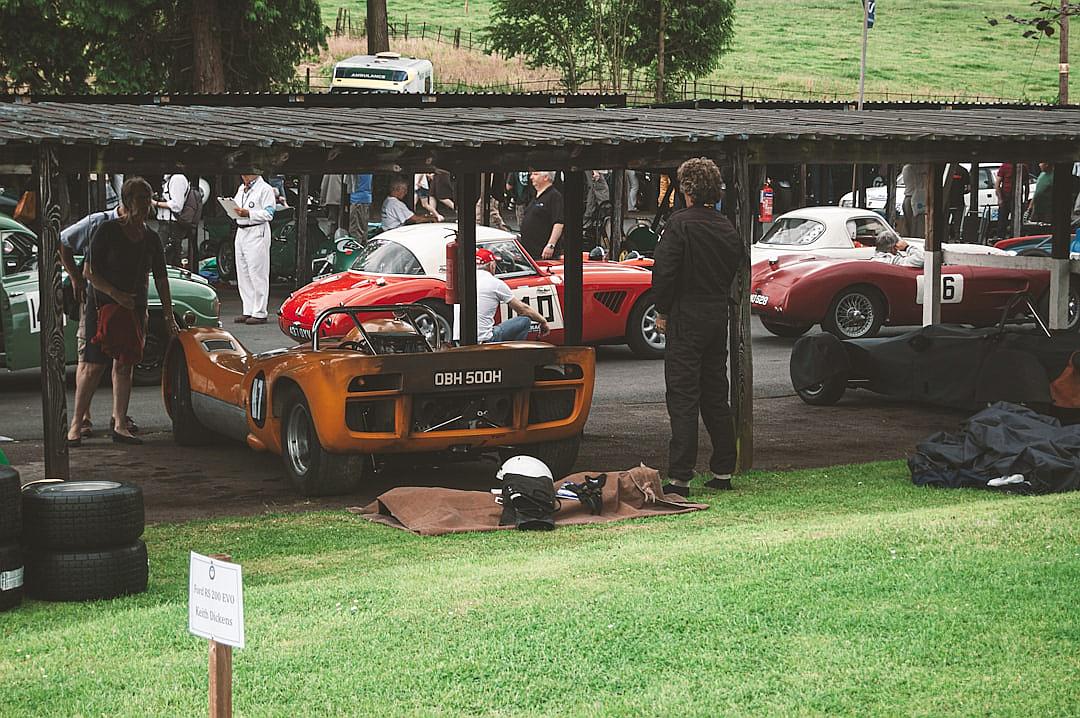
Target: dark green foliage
[[147, 45], [554, 32]]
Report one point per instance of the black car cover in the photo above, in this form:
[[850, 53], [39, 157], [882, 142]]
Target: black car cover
[[1004, 446]]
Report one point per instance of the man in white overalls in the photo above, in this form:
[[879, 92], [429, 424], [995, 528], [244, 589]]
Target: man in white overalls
[[255, 202]]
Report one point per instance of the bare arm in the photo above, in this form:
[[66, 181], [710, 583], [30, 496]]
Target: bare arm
[[78, 281], [553, 240], [524, 309], [98, 282]]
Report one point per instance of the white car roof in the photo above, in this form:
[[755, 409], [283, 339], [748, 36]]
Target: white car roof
[[428, 242], [829, 214]]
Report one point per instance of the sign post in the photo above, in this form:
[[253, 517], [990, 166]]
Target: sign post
[[216, 612]]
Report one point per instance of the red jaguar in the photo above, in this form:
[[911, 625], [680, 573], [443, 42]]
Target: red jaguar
[[408, 265]]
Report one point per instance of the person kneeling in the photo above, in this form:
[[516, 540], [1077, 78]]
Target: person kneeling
[[491, 292]]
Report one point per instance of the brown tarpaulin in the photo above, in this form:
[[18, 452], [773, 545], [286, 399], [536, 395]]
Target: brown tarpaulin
[[431, 511]]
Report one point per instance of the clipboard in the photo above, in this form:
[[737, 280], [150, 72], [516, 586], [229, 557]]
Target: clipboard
[[230, 207]]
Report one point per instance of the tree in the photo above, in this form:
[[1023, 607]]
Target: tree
[[1050, 14], [155, 45], [378, 33], [680, 39], [552, 32]]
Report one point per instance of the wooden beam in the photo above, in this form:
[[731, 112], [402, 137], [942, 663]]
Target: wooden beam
[[51, 313], [890, 194], [303, 254], [1061, 213], [618, 192], [573, 217], [466, 195], [740, 348], [935, 229]]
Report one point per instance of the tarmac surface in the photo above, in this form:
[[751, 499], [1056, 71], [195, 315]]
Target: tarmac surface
[[627, 425]]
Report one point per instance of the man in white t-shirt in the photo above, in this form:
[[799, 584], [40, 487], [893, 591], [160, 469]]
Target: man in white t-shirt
[[492, 292], [395, 212]]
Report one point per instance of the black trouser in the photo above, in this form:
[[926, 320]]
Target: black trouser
[[695, 372], [1005, 213]]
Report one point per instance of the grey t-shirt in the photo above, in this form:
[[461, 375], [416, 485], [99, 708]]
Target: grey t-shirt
[[394, 213]]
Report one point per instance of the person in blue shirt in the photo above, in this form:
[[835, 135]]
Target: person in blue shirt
[[360, 207]]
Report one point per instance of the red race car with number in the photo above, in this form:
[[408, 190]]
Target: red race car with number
[[854, 298], [408, 265]]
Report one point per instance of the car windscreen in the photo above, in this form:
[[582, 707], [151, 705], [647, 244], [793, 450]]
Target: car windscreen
[[382, 256], [370, 73], [795, 231], [510, 261]]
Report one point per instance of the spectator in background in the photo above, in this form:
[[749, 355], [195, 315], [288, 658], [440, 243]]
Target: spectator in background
[[542, 224], [174, 189], [255, 203], [960, 185], [915, 199], [1003, 188], [442, 189], [521, 192], [1041, 204], [632, 186], [394, 210], [332, 197], [360, 207], [422, 185], [894, 250]]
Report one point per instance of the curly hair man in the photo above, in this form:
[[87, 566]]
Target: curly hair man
[[695, 266]]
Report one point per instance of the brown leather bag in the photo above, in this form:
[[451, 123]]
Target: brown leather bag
[[26, 209]]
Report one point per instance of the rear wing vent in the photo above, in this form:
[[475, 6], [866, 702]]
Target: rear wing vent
[[216, 345]]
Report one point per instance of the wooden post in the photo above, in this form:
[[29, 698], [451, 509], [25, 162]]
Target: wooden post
[[740, 349], [1020, 183], [801, 197], [466, 194], [935, 230], [302, 273], [221, 668], [573, 216], [890, 194], [51, 313], [618, 190], [485, 184], [1061, 212]]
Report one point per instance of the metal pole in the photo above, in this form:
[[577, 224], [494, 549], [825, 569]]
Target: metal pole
[[51, 315], [1063, 56], [466, 195], [302, 273], [935, 228], [573, 216]]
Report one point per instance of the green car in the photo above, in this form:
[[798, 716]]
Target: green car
[[195, 303], [221, 232]]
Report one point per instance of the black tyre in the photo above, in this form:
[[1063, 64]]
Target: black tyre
[[855, 313], [310, 468], [1073, 322], [826, 393], [148, 371], [443, 316], [559, 455], [641, 333], [790, 331], [77, 515], [10, 504], [187, 429], [1033, 252], [86, 575], [226, 259], [11, 576]]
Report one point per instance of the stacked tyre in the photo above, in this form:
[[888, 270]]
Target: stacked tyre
[[11, 557], [81, 540]]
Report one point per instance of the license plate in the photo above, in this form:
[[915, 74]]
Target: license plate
[[298, 332], [759, 299], [468, 377]]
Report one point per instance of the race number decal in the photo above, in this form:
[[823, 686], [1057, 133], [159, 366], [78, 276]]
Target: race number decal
[[544, 299], [33, 305], [952, 288]]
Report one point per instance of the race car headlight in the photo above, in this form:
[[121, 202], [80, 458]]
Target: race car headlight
[[189, 318]]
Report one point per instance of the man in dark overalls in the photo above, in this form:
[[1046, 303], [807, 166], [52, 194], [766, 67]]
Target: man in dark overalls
[[695, 265]]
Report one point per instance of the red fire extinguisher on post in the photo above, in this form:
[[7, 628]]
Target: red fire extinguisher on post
[[451, 272], [765, 204]]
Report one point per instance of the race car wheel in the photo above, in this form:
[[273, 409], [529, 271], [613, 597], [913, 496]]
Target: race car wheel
[[86, 575], [311, 469], [70, 515], [148, 371], [226, 259], [855, 313], [10, 504], [187, 429], [443, 317], [11, 576], [785, 330], [826, 393], [1073, 321], [641, 333]]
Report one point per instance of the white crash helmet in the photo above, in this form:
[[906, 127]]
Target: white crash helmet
[[524, 466]]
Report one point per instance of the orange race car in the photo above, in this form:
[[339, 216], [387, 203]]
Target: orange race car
[[329, 406]]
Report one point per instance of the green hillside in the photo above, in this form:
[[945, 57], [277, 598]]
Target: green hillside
[[807, 48]]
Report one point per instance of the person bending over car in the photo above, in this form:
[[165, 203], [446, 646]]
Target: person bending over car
[[491, 292], [895, 250]]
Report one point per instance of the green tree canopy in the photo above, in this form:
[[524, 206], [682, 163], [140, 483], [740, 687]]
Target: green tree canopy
[[558, 33], [152, 45]]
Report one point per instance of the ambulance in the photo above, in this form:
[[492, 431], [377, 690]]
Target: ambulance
[[384, 72]]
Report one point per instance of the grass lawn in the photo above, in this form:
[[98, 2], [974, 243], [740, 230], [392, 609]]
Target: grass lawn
[[843, 591], [811, 48]]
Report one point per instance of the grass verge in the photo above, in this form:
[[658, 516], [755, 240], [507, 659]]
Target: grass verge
[[844, 591]]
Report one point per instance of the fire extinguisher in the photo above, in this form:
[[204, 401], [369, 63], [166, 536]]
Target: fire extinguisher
[[451, 272], [765, 207]]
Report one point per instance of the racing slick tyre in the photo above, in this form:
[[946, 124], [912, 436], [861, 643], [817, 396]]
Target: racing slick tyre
[[310, 468], [443, 316], [86, 575], [11, 576], [789, 331], [1073, 321], [826, 393], [79, 515], [226, 259], [641, 333], [559, 455], [10, 504], [855, 313], [148, 371], [187, 429]]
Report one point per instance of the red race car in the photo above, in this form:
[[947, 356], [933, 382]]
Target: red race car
[[408, 265], [854, 298]]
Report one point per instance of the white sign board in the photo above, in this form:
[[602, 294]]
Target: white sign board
[[33, 306], [216, 600], [952, 288]]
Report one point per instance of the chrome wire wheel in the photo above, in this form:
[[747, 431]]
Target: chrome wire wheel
[[649, 332], [298, 439], [855, 315]]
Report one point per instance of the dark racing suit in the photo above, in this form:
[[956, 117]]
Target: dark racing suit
[[695, 265]]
